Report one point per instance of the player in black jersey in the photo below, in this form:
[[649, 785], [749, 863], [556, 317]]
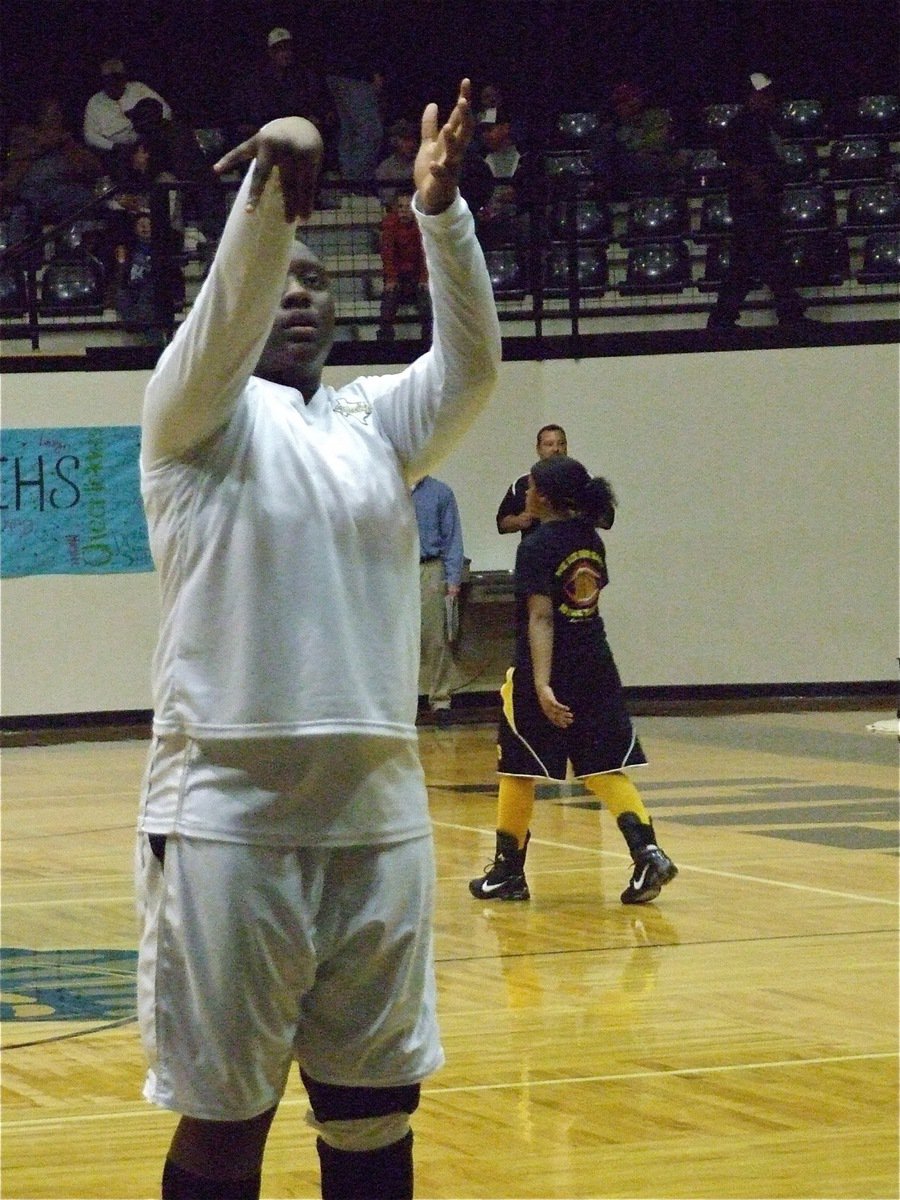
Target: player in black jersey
[[562, 700]]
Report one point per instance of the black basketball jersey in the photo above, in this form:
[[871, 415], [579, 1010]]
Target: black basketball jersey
[[565, 560]]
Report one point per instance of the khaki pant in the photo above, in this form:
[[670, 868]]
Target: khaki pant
[[437, 672]]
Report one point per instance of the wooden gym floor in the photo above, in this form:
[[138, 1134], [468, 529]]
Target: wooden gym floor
[[737, 1038]]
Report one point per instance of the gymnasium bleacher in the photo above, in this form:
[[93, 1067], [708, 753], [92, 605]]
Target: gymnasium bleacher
[[628, 262]]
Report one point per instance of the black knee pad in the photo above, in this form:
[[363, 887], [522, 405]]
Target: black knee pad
[[332, 1102]]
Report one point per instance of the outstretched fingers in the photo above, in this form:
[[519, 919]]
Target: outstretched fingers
[[298, 187], [430, 123], [236, 155], [294, 146], [454, 136], [252, 149]]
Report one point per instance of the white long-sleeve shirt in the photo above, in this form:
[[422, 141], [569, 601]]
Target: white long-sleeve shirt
[[105, 122], [283, 532]]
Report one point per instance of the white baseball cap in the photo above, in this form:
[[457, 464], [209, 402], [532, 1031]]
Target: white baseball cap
[[279, 35], [760, 81]]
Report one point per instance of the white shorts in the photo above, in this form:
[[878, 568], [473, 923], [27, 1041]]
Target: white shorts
[[254, 956]]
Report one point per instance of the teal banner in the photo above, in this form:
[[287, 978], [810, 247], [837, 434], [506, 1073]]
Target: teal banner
[[70, 502]]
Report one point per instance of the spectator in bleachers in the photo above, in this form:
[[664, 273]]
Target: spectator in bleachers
[[279, 88], [357, 99], [503, 219], [644, 154], [397, 168], [106, 124], [490, 102], [176, 153], [134, 170], [136, 279], [490, 98], [501, 153], [405, 276], [476, 183], [756, 174], [49, 174]]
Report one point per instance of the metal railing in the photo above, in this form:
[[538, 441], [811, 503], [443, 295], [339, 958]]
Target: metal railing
[[546, 267]]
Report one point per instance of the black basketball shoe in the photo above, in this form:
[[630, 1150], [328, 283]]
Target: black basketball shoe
[[504, 878]]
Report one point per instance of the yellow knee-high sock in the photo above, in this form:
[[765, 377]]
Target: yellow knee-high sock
[[515, 804], [619, 795]]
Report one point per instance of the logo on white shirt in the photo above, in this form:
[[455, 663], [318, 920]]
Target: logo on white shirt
[[361, 409]]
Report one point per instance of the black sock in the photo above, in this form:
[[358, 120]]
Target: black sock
[[180, 1184], [637, 834], [383, 1174]]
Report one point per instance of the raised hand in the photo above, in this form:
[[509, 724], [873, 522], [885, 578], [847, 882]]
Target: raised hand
[[294, 146], [439, 160]]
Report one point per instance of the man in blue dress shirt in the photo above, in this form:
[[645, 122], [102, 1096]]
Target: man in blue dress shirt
[[440, 574]]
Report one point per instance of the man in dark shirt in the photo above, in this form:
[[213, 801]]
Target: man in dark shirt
[[511, 515], [281, 88], [758, 252]]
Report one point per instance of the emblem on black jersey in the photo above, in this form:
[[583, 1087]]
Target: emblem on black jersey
[[582, 577]]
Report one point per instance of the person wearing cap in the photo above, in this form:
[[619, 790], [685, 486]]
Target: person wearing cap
[[106, 124], [501, 153], [284, 855], [758, 253], [503, 220], [279, 88]]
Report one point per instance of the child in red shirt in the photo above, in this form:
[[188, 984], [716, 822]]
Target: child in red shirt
[[405, 274]]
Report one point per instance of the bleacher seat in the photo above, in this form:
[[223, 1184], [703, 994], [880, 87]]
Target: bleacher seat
[[341, 241], [819, 260], [800, 120], [715, 266], [657, 267], [568, 173], [705, 171], [504, 229], [808, 209], [575, 130], [506, 273], [851, 159], [656, 218], [349, 290], [800, 162], [212, 142], [71, 283], [590, 276], [873, 207], [715, 220], [714, 119], [589, 220], [877, 115], [881, 258], [13, 293]]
